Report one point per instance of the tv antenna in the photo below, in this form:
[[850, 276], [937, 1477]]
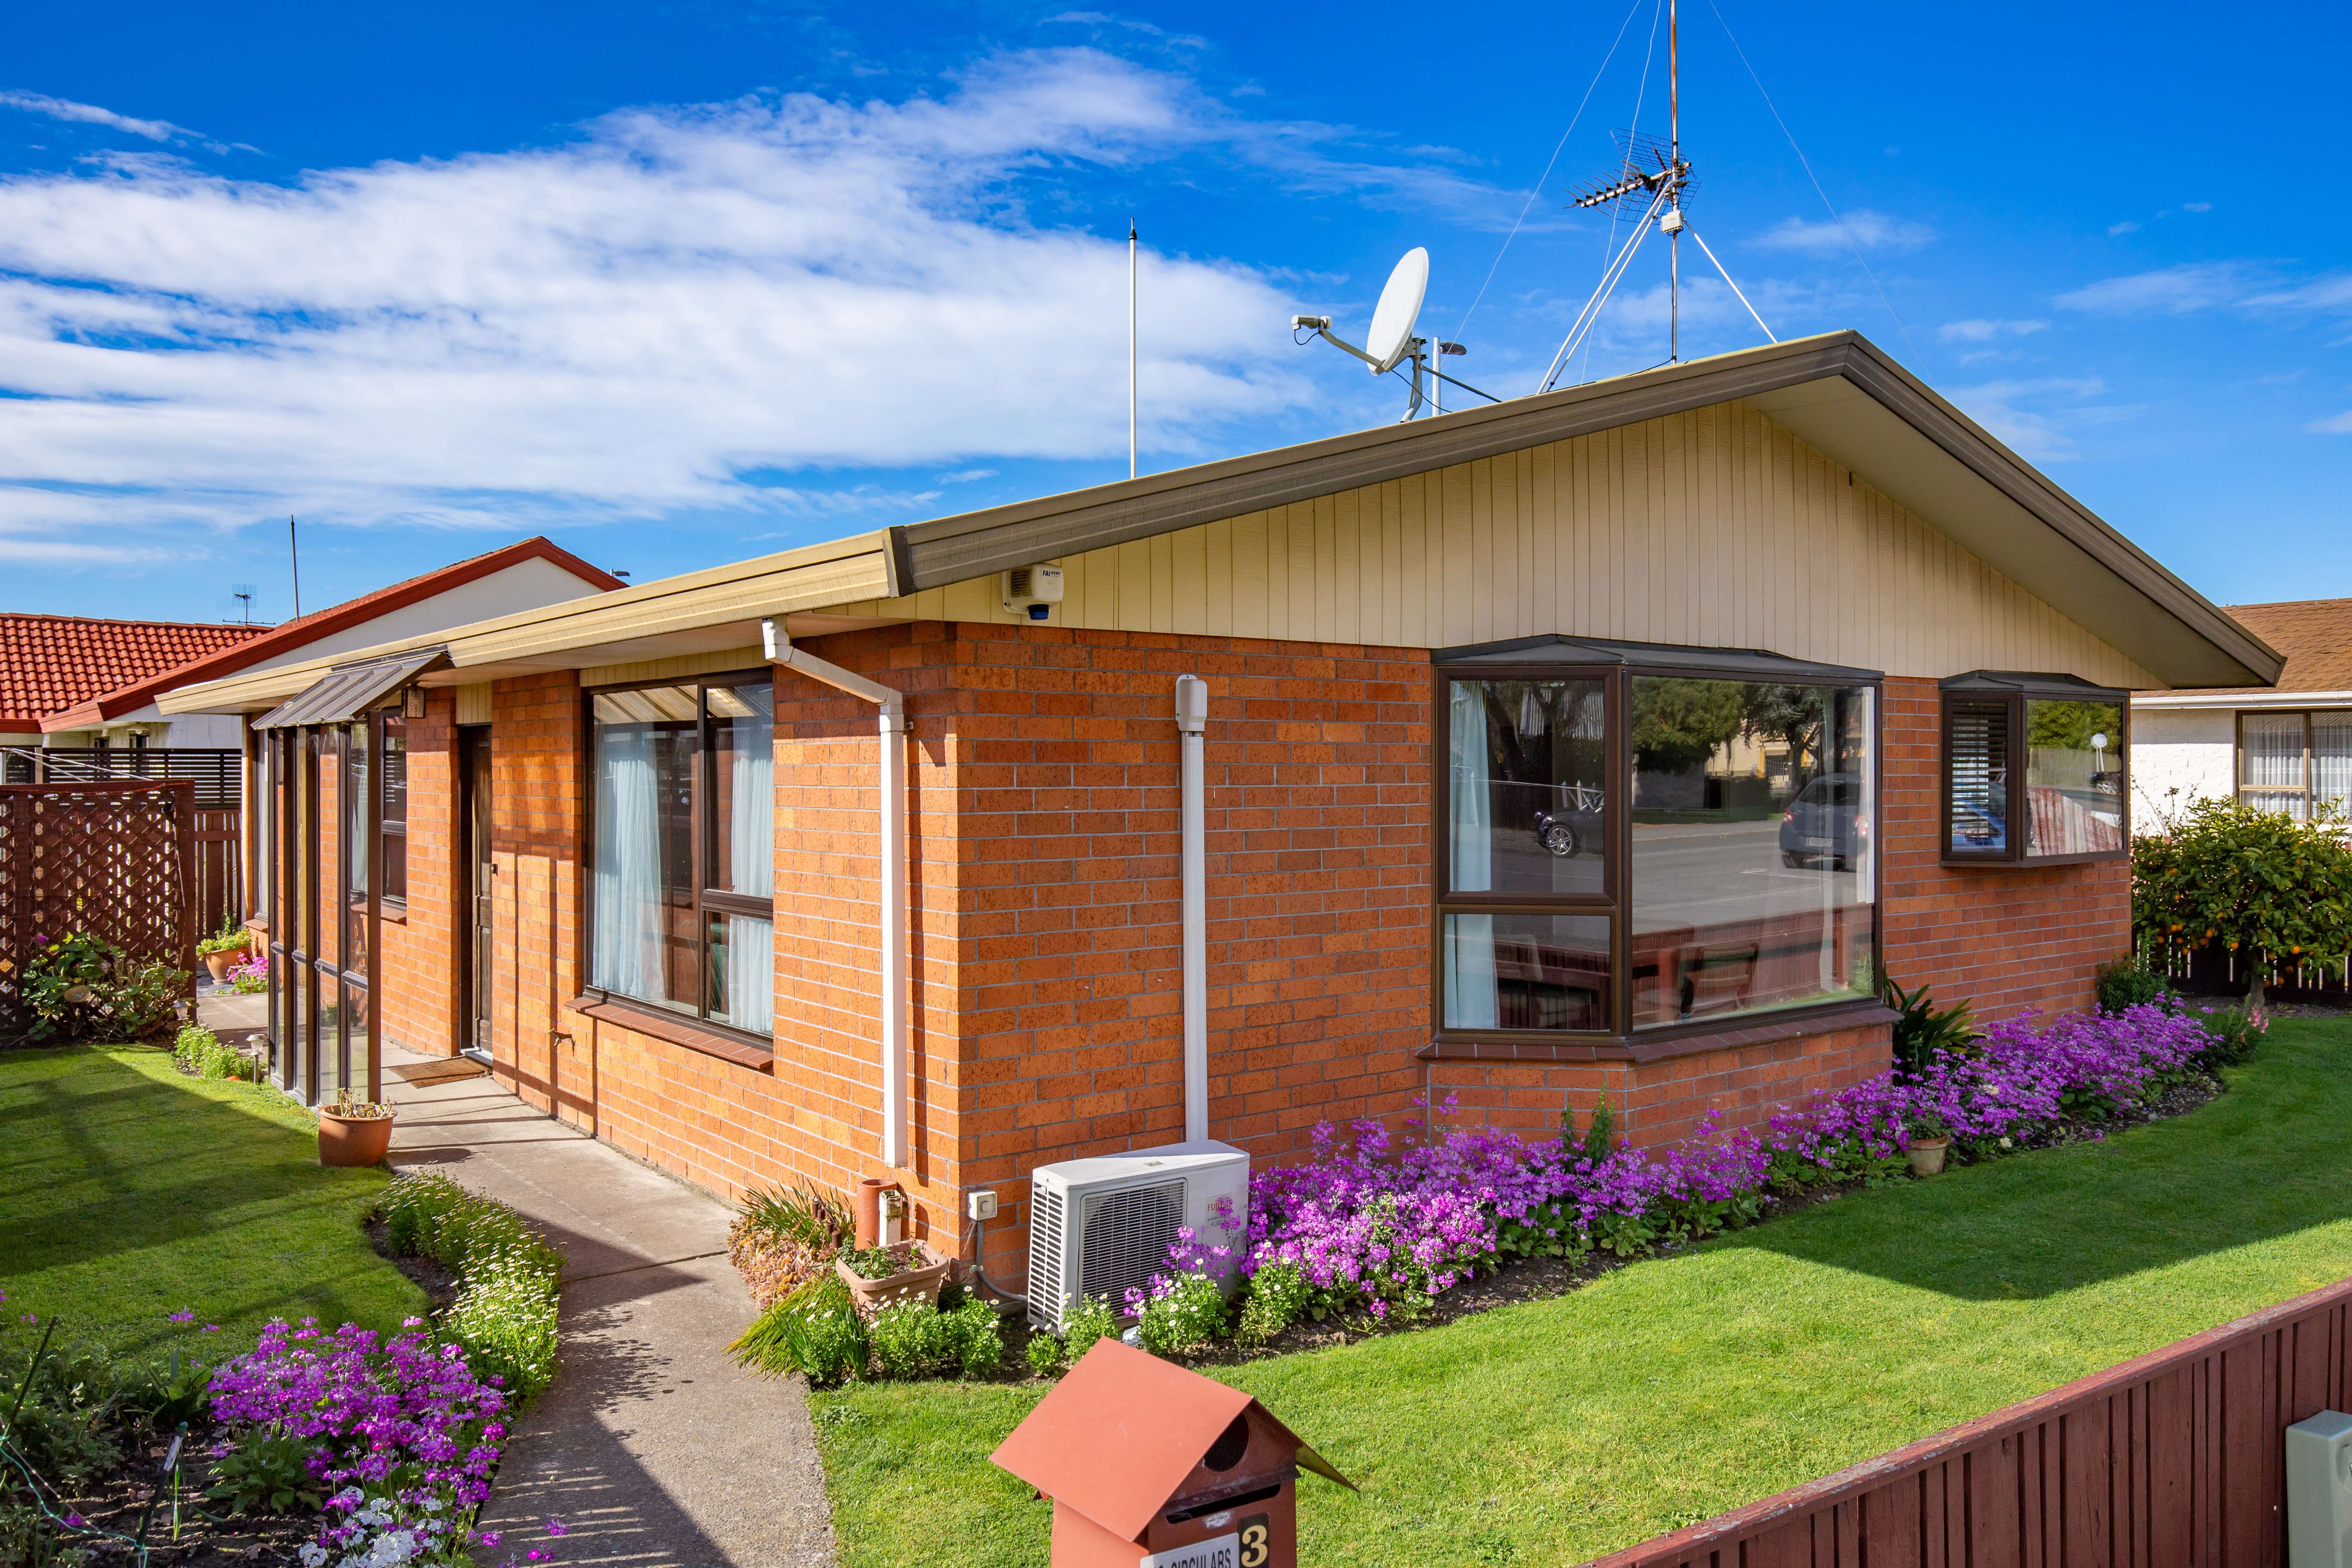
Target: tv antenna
[[243, 593], [1390, 346], [1651, 179]]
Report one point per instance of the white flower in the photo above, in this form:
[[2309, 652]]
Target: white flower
[[313, 1555], [433, 1505]]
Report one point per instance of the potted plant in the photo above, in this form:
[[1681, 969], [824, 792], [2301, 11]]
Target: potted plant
[[902, 1271], [223, 949], [354, 1132], [1930, 1137]]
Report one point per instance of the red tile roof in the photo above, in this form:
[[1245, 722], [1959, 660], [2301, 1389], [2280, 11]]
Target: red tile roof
[[106, 701], [48, 663], [2316, 634]]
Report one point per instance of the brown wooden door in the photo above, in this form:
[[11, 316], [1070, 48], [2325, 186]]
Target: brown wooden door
[[482, 874]]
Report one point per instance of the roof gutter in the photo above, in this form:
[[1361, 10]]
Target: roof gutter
[[891, 837]]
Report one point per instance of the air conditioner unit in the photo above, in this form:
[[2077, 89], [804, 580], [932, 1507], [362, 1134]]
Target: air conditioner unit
[[1033, 591], [1102, 1226]]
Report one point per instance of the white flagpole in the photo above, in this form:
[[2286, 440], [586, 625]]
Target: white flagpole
[[1131, 348]]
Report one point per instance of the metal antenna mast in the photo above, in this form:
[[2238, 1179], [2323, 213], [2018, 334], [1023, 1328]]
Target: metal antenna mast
[[1649, 185]]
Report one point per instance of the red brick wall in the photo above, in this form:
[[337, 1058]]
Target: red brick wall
[[417, 964], [2000, 940]]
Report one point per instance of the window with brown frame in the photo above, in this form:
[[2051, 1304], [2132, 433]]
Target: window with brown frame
[[2298, 763], [1632, 838], [682, 873], [2034, 770]]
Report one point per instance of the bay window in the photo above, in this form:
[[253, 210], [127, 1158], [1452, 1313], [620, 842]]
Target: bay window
[[2034, 769], [1639, 838], [682, 887]]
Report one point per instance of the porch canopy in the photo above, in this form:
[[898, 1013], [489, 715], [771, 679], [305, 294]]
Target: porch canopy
[[325, 752]]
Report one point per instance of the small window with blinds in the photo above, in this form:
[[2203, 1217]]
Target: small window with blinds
[[2034, 770], [2298, 764]]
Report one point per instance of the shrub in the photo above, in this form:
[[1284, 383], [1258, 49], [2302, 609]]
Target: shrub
[[506, 1312], [781, 1238], [64, 1396], [1921, 1029], [231, 938], [267, 1472], [2236, 1032], [200, 1051], [2271, 891], [2128, 982], [1180, 1315], [1094, 1320], [815, 1331], [82, 987], [1277, 1298], [916, 1340], [1043, 1353]]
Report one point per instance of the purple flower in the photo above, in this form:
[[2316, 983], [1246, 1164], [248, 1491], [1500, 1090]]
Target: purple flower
[[557, 1527], [74, 1522], [183, 1316], [490, 1538], [212, 1328]]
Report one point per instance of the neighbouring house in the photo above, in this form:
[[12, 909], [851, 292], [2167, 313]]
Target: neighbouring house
[[51, 666], [78, 698], [2285, 747], [1616, 741]]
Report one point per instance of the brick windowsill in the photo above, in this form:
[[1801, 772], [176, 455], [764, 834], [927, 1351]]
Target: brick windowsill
[[1768, 1031], [668, 1027]]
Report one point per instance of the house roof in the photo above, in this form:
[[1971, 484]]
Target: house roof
[[213, 664], [52, 662], [2315, 638], [1838, 393]]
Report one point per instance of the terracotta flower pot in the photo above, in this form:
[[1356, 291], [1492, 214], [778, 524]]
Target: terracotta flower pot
[[921, 1284], [1926, 1155], [353, 1140], [218, 963]]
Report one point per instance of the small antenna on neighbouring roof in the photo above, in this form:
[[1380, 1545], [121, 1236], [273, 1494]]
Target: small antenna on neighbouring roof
[[294, 558], [243, 593]]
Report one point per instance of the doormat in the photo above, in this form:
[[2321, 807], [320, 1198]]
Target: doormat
[[450, 1071]]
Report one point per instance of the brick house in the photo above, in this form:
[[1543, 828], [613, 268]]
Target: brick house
[[1618, 740]]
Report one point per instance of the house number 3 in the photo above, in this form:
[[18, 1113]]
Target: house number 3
[[1255, 1551]]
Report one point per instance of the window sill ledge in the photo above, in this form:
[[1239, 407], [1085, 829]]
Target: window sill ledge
[[394, 914], [2033, 863], [677, 1031], [1734, 1035]]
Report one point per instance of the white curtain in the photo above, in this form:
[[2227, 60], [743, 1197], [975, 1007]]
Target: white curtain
[[2331, 759], [1469, 939], [751, 863], [627, 936]]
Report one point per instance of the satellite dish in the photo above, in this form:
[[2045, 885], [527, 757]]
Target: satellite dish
[[1400, 307]]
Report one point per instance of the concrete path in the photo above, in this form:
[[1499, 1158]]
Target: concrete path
[[653, 1447]]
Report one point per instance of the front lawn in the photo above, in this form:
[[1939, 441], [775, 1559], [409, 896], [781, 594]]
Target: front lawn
[[128, 1193], [1674, 1389]]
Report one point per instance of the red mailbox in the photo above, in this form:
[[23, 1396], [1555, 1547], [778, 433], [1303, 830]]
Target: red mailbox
[[1151, 1466]]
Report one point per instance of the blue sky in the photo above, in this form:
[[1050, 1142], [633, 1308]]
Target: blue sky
[[681, 284]]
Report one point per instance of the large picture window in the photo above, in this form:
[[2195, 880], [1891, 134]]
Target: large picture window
[[682, 887], [2296, 763], [2034, 769], [1637, 838]]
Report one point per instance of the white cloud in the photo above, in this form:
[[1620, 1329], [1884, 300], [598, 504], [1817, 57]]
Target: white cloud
[[2127, 226], [1982, 330], [2340, 425], [2039, 417], [663, 314], [1862, 229], [2170, 291], [966, 476], [90, 114], [2197, 207]]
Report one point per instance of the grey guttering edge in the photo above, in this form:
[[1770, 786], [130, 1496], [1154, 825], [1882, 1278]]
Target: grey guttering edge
[[975, 544]]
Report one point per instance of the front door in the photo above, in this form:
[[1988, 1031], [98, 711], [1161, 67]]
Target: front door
[[481, 873]]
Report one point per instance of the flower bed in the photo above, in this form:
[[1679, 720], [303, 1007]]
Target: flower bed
[[1371, 1232]]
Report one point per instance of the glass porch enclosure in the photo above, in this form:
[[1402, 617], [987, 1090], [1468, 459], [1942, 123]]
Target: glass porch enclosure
[[323, 756]]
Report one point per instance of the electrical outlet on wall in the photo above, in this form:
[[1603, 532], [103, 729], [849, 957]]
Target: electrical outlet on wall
[[980, 1204]]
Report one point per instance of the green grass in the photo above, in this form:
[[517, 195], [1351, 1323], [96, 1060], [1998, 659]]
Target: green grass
[[128, 1192], [1679, 1387]]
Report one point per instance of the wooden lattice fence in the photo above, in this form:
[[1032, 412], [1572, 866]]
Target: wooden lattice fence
[[114, 859]]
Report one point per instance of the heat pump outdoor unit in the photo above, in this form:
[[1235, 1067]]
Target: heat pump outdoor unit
[[1098, 1227]]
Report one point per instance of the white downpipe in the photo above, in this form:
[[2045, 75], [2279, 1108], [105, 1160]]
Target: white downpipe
[[1191, 720], [892, 837]]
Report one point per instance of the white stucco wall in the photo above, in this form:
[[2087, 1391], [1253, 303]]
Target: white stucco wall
[[2193, 750]]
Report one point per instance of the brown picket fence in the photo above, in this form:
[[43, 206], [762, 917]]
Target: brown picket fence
[[2175, 1458], [114, 860]]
